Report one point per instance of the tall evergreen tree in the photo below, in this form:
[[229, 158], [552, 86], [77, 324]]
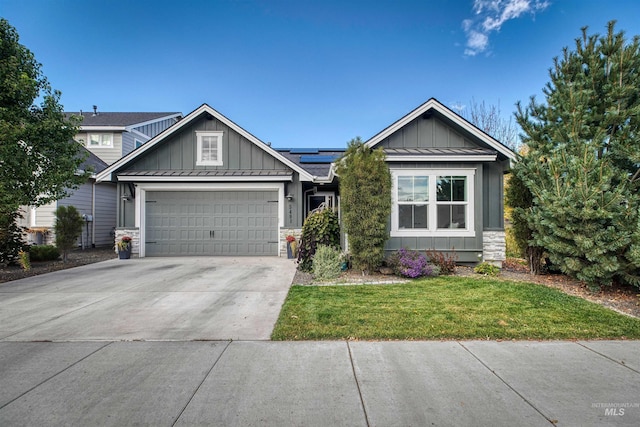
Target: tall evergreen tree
[[365, 192], [583, 163]]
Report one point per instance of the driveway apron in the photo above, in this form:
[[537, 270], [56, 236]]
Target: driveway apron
[[190, 298]]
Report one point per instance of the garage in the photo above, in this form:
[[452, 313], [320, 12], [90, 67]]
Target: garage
[[211, 223]]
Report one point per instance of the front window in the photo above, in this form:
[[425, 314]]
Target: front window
[[209, 148], [100, 140], [432, 202]]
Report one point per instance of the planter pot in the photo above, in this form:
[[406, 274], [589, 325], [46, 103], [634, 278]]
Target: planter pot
[[289, 251], [124, 254]]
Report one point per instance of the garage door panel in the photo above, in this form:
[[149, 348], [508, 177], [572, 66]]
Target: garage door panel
[[212, 223]]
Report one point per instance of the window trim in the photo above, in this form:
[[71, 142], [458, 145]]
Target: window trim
[[101, 143], [432, 230], [199, 136]]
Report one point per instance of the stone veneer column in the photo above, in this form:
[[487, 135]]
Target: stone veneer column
[[284, 232], [494, 247], [134, 233]]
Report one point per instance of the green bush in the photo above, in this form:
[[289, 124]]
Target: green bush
[[43, 253], [68, 227], [327, 263], [487, 269], [10, 236], [320, 228]]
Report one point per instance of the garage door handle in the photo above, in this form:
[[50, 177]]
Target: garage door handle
[[211, 233]]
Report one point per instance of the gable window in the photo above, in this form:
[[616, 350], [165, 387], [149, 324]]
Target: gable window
[[209, 148], [100, 140], [432, 202]]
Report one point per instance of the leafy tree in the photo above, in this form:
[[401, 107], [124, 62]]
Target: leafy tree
[[68, 227], [365, 191], [38, 160], [583, 164]]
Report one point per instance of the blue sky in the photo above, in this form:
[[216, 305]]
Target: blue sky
[[304, 73]]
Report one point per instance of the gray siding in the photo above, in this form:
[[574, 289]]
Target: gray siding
[[105, 214], [178, 152], [152, 129], [427, 133], [82, 200], [107, 155], [128, 143], [126, 209], [465, 247], [493, 192]]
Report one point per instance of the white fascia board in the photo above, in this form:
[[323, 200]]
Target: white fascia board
[[106, 174], [433, 158], [103, 128], [433, 103], [148, 122], [137, 178], [140, 135]]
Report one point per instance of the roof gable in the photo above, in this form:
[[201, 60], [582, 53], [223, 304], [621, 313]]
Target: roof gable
[[204, 109], [427, 110]]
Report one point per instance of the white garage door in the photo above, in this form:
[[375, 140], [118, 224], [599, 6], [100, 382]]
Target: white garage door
[[211, 223]]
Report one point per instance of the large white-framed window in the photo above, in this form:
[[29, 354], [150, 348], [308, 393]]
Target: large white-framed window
[[432, 202], [104, 140], [209, 147]]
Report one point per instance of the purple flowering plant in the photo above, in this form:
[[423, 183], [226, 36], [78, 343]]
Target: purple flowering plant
[[408, 263]]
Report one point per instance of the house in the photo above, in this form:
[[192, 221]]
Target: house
[[206, 186], [106, 136]]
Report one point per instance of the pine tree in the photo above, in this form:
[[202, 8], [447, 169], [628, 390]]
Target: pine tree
[[365, 191], [582, 166]]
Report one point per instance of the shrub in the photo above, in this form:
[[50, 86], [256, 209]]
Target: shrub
[[24, 260], [327, 263], [320, 228], [10, 236], [68, 227], [445, 262], [44, 253], [408, 263], [487, 269]]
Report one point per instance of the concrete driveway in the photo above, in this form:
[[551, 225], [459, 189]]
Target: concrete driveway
[[190, 298]]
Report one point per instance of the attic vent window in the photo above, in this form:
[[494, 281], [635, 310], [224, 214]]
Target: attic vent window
[[209, 148]]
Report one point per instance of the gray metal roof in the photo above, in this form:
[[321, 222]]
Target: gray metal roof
[[439, 151], [196, 173], [117, 118]]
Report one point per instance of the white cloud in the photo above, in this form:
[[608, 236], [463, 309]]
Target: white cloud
[[490, 15]]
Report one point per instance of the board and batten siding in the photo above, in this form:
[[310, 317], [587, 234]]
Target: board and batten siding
[[104, 221], [178, 152], [467, 248], [426, 133], [152, 129]]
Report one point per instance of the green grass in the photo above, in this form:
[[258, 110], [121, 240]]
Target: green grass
[[446, 308]]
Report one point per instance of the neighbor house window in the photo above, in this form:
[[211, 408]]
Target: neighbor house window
[[100, 140], [209, 147], [432, 202]]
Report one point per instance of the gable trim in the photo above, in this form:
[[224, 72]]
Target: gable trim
[[106, 175], [449, 114]]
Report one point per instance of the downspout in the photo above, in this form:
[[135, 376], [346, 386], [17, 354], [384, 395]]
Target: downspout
[[93, 215]]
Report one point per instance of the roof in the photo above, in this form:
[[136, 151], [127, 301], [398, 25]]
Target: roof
[[440, 154], [316, 161], [434, 106], [195, 114], [120, 118], [92, 161]]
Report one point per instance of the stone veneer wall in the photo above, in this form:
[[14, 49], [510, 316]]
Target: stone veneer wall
[[284, 232], [134, 232], [494, 247]]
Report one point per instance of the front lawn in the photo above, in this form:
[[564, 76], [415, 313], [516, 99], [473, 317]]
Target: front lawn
[[446, 308]]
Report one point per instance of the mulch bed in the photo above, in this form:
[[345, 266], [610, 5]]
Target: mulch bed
[[75, 258]]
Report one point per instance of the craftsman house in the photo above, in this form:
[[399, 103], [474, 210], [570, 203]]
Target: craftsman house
[[206, 186]]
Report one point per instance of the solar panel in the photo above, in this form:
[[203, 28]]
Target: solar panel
[[304, 151], [318, 159]]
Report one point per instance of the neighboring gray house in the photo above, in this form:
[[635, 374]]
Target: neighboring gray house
[[107, 136], [208, 187]]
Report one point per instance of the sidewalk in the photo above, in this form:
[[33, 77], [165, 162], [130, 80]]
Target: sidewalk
[[240, 383]]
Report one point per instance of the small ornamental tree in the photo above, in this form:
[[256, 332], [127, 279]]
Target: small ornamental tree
[[583, 163], [365, 194], [68, 227]]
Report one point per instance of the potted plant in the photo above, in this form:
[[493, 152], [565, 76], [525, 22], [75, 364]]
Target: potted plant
[[292, 246], [124, 247]]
